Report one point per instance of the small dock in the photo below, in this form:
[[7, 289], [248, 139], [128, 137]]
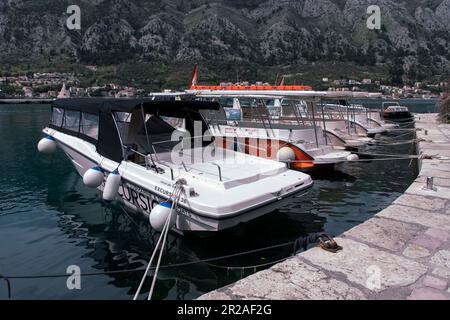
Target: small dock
[[403, 252]]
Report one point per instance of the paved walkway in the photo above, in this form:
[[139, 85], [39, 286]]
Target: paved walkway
[[401, 253]]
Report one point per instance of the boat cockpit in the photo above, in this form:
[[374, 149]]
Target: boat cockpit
[[141, 131]]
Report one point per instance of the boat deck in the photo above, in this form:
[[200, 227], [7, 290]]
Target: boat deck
[[227, 168]]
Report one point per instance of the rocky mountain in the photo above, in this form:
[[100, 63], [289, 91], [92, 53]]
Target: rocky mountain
[[414, 33]]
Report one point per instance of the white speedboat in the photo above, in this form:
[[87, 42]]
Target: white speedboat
[[375, 117], [339, 134], [335, 128], [393, 111], [129, 150], [357, 118], [258, 130]]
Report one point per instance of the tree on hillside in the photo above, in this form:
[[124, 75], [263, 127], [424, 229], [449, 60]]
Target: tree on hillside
[[396, 71]]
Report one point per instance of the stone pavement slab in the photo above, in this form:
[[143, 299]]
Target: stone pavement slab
[[358, 261], [422, 217], [385, 233], [421, 202]]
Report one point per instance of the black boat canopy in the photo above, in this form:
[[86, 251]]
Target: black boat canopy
[[108, 140], [165, 108]]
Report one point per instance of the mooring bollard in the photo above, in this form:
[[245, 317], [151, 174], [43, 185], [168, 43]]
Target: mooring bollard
[[426, 132], [430, 184]]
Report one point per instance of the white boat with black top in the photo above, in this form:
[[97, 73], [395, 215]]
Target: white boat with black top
[[133, 151]]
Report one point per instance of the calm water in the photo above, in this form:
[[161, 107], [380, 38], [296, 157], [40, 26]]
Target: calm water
[[49, 221]]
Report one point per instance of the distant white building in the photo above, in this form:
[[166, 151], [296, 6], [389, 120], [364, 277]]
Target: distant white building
[[325, 80], [114, 86], [78, 92], [367, 81], [339, 82], [28, 92], [126, 93]]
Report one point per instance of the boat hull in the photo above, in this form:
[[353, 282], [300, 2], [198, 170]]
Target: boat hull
[[268, 148], [141, 200], [398, 116]]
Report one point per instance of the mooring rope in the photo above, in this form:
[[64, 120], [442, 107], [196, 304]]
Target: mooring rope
[[388, 143], [405, 129], [174, 198], [243, 268], [168, 266], [8, 284], [389, 158], [399, 136]]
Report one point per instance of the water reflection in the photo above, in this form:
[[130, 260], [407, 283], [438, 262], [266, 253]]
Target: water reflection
[[116, 240]]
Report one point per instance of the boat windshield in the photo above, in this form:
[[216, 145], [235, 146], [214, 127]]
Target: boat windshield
[[397, 109], [155, 137]]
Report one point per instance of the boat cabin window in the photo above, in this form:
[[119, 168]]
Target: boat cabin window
[[76, 123], [123, 120], [71, 120], [89, 125], [57, 116], [149, 135], [124, 117], [390, 104], [221, 116], [159, 134]]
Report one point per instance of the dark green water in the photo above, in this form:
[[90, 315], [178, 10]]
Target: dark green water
[[49, 220]]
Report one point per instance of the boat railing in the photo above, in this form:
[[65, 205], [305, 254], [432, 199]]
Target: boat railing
[[182, 153], [220, 170], [260, 116]]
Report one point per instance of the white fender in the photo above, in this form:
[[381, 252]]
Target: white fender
[[47, 145], [159, 214], [93, 177], [286, 154], [111, 186], [352, 157]]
